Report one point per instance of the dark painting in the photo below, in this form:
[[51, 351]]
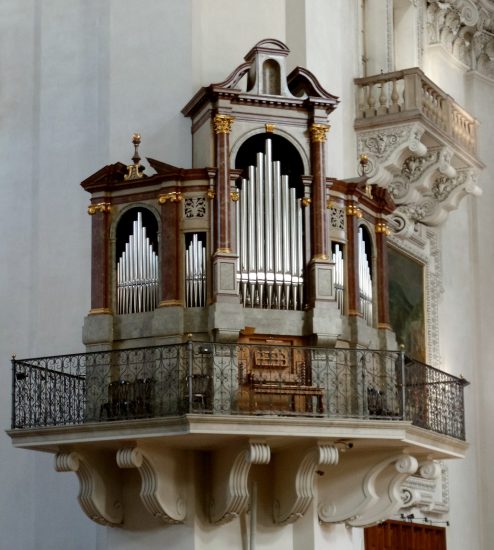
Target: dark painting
[[406, 303]]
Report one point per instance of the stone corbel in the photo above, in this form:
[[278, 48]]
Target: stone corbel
[[100, 494], [294, 484], [433, 208], [422, 489], [161, 482], [230, 474], [387, 148], [364, 489]]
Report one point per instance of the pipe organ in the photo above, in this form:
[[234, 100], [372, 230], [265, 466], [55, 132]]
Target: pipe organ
[[253, 229], [269, 237], [137, 273], [195, 271], [365, 279]]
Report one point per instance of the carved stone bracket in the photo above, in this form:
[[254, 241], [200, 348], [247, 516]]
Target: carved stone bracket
[[386, 148], [364, 489], [161, 481], [428, 489], [99, 494], [424, 183], [441, 195], [294, 485], [230, 474]]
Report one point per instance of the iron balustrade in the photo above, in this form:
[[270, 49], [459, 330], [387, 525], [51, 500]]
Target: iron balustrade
[[226, 379]]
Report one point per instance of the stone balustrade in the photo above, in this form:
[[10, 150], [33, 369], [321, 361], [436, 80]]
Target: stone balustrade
[[409, 93]]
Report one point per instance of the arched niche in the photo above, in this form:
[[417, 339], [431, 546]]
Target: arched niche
[[136, 261]]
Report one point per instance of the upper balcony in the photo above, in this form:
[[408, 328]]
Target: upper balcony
[[420, 144]]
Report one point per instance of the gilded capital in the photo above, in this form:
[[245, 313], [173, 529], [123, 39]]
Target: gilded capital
[[174, 196], [100, 208], [353, 210], [222, 124], [318, 132], [382, 227]]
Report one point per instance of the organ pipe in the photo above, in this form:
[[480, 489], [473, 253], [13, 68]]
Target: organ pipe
[[365, 279], [137, 273], [339, 275], [195, 272], [269, 240]]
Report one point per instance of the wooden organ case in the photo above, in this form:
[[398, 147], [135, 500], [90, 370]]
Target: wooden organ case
[[254, 245]]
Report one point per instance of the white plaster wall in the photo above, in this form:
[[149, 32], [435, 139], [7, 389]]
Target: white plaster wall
[[480, 102], [333, 56], [224, 31], [77, 78]]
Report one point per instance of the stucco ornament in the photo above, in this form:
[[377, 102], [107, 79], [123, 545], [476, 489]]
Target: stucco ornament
[[465, 28]]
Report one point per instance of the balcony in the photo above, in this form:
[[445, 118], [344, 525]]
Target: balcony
[[410, 95], [226, 380], [365, 420], [420, 144]]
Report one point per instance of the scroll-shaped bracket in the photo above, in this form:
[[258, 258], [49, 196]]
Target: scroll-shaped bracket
[[100, 493], [230, 473], [365, 489], [294, 484], [161, 480], [420, 490]]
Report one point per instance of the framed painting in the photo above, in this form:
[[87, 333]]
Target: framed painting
[[407, 302]]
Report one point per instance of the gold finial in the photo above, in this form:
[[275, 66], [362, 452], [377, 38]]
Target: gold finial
[[222, 124], [270, 127], [363, 162], [318, 132], [235, 196], [134, 171], [211, 193], [306, 201]]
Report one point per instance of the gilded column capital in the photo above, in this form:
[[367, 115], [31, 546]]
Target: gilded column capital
[[318, 132], [100, 208], [222, 124]]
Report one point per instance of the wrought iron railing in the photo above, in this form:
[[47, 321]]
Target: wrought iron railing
[[226, 379]]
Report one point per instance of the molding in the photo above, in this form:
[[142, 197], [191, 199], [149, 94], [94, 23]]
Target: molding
[[294, 485], [365, 489], [161, 482], [230, 473], [100, 493]]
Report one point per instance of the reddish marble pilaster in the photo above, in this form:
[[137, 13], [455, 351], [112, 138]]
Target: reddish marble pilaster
[[319, 233], [100, 257], [382, 232], [170, 248], [222, 222], [352, 261]]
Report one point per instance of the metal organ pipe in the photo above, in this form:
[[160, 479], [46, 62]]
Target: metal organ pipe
[[269, 240], [195, 273], [137, 273], [338, 275], [365, 279]]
